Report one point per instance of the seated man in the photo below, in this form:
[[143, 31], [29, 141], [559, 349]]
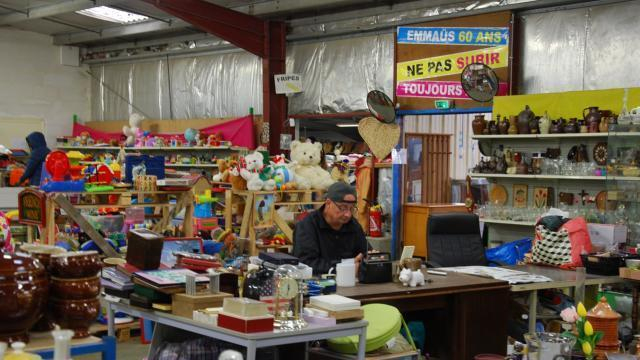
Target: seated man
[[330, 234]]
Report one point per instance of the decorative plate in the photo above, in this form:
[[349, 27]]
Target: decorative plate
[[498, 195], [485, 148], [601, 200], [600, 153]]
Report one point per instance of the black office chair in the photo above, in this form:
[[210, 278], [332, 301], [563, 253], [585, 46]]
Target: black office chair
[[453, 239]]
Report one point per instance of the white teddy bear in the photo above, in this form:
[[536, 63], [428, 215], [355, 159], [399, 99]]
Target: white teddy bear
[[411, 278], [131, 131], [309, 174], [257, 175]]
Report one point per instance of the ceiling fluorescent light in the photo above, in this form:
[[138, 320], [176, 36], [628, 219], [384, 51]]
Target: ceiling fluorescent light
[[347, 125], [113, 15]]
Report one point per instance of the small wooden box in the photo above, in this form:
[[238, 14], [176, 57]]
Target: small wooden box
[[144, 249], [627, 273], [184, 305]]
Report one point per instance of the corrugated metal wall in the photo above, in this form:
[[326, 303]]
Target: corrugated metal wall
[[580, 49]]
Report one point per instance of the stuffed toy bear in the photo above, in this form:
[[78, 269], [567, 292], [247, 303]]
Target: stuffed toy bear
[[257, 175], [309, 174], [133, 130], [237, 182], [223, 171]]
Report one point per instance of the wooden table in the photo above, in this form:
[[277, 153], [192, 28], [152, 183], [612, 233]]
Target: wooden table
[[560, 279], [475, 308]]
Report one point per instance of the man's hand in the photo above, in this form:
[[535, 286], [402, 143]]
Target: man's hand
[[357, 260]]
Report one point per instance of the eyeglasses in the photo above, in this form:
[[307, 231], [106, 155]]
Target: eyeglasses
[[345, 208]]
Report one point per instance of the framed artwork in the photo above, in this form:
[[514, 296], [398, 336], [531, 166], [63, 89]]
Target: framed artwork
[[540, 197], [520, 195], [263, 208]]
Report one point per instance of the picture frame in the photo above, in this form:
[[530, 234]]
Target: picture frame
[[263, 208], [540, 197], [520, 195]]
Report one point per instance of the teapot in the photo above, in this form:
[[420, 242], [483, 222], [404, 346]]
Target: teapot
[[549, 346], [524, 118], [571, 126], [557, 126]]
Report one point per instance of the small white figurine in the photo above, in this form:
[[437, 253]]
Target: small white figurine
[[411, 278]]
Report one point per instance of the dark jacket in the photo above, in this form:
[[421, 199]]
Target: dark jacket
[[39, 152], [318, 245]]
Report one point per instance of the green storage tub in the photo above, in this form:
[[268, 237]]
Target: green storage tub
[[385, 322]]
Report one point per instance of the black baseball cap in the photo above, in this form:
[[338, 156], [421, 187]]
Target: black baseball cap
[[338, 190]]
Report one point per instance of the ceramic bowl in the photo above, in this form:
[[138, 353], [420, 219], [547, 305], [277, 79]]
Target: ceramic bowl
[[42, 252], [24, 287], [75, 289], [114, 261], [75, 264], [633, 264], [76, 315]]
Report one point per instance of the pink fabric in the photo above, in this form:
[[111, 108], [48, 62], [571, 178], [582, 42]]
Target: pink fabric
[[579, 238], [239, 131]]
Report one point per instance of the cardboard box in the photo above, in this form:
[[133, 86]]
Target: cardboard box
[[627, 273], [607, 235], [184, 305]]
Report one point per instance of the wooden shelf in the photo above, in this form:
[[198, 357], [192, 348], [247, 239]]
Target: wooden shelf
[[541, 177], [507, 222], [146, 148], [192, 165]]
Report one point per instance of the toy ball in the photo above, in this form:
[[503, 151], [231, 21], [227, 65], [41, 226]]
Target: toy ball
[[190, 134]]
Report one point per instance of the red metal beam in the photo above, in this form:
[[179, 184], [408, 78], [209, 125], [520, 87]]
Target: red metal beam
[[242, 30], [266, 39], [274, 105]]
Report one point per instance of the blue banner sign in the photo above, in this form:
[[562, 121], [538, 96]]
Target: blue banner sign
[[481, 36]]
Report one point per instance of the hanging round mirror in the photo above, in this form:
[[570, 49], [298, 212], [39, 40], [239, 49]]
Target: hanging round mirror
[[381, 107], [480, 82]]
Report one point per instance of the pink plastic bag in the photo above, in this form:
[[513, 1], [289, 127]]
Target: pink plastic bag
[[580, 240]]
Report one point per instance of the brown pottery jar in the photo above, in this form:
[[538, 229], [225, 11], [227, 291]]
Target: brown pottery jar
[[76, 315], [478, 124], [24, 287], [76, 264]]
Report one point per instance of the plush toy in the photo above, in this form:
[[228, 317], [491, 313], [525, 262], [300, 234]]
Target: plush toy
[[223, 171], [411, 278], [340, 171], [257, 175], [309, 174], [237, 181], [132, 131], [160, 142]]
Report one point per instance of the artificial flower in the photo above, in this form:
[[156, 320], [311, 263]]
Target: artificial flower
[[588, 329], [586, 348], [581, 310], [569, 314]]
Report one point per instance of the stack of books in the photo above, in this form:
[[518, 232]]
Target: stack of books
[[153, 288], [117, 283]]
